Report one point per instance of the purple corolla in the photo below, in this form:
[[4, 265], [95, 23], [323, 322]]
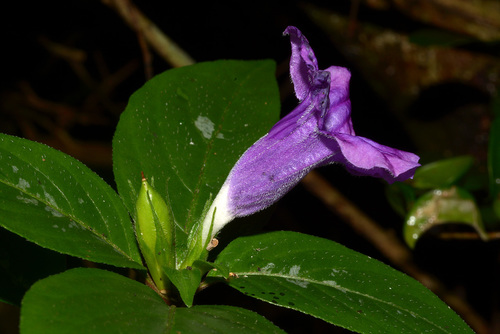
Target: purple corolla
[[317, 132]]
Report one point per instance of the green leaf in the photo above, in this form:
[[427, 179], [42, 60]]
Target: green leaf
[[206, 266], [187, 127], [94, 301], [442, 206], [328, 281], [401, 197], [442, 173], [186, 281], [56, 202], [22, 263], [496, 206], [86, 300], [221, 319]]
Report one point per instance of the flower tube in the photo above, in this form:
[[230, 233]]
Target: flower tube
[[317, 132]]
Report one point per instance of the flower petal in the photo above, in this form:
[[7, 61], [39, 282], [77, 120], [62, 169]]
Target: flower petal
[[303, 62], [309, 111], [338, 116], [271, 168], [362, 156]]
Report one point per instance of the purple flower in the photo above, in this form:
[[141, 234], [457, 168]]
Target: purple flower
[[317, 132]]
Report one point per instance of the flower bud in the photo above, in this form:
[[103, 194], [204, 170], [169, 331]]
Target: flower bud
[[155, 233]]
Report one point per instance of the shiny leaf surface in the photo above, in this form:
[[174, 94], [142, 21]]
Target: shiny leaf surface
[[97, 301], [442, 206], [328, 281], [57, 202], [442, 173]]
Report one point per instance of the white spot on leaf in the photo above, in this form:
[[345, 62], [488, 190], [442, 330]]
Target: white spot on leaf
[[267, 268], [205, 125], [49, 198], [53, 211], [23, 184], [302, 284], [335, 285], [27, 200], [294, 271]]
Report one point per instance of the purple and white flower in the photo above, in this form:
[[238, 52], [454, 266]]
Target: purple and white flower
[[317, 132]]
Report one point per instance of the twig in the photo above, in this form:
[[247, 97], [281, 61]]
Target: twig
[[65, 52], [76, 60], [467, 235], [389, 245], [146, 55], [165, 47]]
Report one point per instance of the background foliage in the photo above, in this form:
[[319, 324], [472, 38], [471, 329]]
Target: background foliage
[[422, 81]]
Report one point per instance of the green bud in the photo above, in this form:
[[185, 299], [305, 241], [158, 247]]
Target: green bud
[[155, 233]]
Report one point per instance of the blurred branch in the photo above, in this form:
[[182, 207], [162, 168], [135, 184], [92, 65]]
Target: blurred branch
[[165, 47], [388, 244], [62, 51], [46, 121], [398, 69], [480, 18], [467, 235], [101, 89]]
